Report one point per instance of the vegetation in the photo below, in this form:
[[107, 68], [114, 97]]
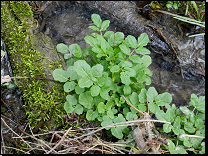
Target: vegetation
[[96, 80], [26, 62]]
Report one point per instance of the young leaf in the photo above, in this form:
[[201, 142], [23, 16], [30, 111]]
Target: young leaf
[[106, 121], [189, 127], [127, 90], [86, 99], [117, 132], [60, 75], [91, 115], [68, 107], [142, 107], [177, 125], [146, 60], [75, 50], [201, 104], [97, 70], [131, 41], [131, 116], [62, 48], [108, 33], [71, 99], [130, 71], [143, 96], [153, 108], [85, 82], [125, 49], [160, 115], [134, 98], [96, 20], [79, 90], [194, 100], [105, 25], [115, 69], [151, 94], [110, 114], [142, 40], [136, 59], [186, 111], [163, 99], [78, 109], [69, 86], [101, 107], [125, 78], [94, 28], [142, 51], [167, 128], [90, 40], [72, 74], [82, 68], [95, 90]]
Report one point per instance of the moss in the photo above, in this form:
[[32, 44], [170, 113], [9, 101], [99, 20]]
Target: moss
[[25, 61]]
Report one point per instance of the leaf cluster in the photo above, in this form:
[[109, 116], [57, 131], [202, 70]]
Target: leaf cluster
[[96, 79]]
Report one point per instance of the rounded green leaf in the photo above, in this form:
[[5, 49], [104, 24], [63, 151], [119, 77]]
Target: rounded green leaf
[[91, 115], [167, 128], [115, 69], [143, 39], [62, 48], [101, 107], [127, 90], [106, 121], [72, 74], [78, 109], [108, 33], [85, 82], [189, 127], [186, 143], [79, 90], [125, 49], [125, 78], [146, 60], [94, 28], [142, 51], [82, 68], [68, 107], [131, 116], [110, 114], [69, 86], [105, 25], [95, 90], [135, 59], [86, 99], [60, 75], [117, 132], [142, 107], [131, 41], [96, 70], [143, 96], [71, 99], [153, 107], [170, 116], [96, 20], [151, 94]]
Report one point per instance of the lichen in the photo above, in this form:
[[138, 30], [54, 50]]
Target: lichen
[[26, 62]]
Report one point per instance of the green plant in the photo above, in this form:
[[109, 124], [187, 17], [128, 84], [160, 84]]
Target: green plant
[[174, 4], [97, 78], [199, 12]]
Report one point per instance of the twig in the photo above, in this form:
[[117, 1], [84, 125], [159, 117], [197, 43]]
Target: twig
[[117, 124], [195, 136], [16, 149], [132, 105], [15, 132], [60, 140]]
